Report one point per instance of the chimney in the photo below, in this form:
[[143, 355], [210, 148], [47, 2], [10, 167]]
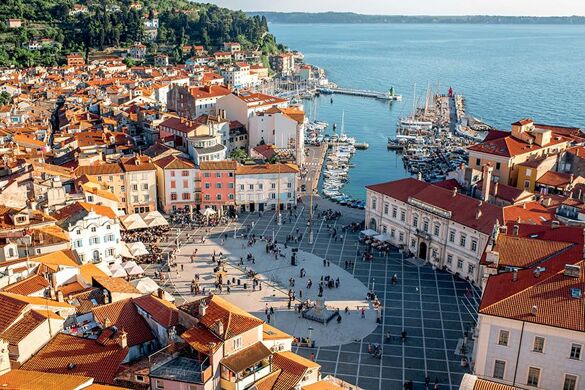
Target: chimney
[[419, 176], [537, 272], [123, 339], [571, 178], [107, 322], [534, 310], [60, 296], [219, 328], [487, 181], [495, 189], [160, 293], [515, 230], [478, 213], [555, 224], [54, 280], [52, 293], [455, 192], [106, 297], [202, 309], [514, 275]]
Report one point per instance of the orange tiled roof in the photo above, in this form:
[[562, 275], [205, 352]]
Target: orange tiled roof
[[174, 162], [118, 285], [462, 207], [555, 179], [524, 252], [293, 369], [202, 340], [508, 146], [37, 380], [28, 286], [10, 310], [235, 320], [482, 384], [23, 327], [83, 208], [71, 355], [161, 310], [89, 271], [124, 315], [226, 165], [266, 169], [529, 212], [550, 293], [64, 257]]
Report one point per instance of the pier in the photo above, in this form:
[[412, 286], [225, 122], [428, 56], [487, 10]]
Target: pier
[[361, 92]]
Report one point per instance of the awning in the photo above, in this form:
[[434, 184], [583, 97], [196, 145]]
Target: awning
[[136, 270], [154, 218], [369, 232], [133, 222], [118, 272], [137, 248], [382, 237], [125, 251], [239, 361], [129, 265], [208, 212]]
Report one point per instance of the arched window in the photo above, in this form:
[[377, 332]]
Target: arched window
[[96, 255]]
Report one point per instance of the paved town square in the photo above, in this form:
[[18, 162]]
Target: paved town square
[[433, 307]]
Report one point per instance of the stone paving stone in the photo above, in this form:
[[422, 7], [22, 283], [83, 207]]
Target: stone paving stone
[[368, 383], [433, 311], [347, 369]]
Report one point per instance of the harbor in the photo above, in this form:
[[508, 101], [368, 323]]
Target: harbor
[[433, 139], [333, 89]]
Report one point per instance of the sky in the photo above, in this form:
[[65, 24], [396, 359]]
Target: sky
[[416, 7]]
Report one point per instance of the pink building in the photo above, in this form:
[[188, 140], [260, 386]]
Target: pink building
[[218, 182], [177, 183]]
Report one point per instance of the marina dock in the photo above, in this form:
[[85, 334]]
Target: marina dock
[[360, 92]]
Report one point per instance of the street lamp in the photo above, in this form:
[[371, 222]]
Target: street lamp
[[373, 284], [272, 234]]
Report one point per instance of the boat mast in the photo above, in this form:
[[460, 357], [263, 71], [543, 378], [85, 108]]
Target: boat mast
[[414, 102]]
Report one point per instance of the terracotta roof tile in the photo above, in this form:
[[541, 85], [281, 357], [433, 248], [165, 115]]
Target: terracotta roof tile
[[118, 285], [462, 207], [37, 380], [293, 369], [529, 212], [226, 165], [259, 169], [71, 355], [124, 315], [550, 292], [524, 252], [202, 340], [235, 320], [239, 361], [28, 286], [161, 310], [23, 327]]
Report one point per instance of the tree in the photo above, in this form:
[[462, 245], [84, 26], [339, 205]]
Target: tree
[[5, 98], [239, 155]]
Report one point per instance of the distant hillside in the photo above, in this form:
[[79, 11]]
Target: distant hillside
[[53, 28], [350, 17]]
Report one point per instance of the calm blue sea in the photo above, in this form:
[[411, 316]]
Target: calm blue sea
[[505, 72]]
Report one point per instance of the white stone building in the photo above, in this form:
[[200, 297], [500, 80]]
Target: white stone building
[[241, 107], [435, 224], [94, 232], [264, 187], [281, 127], [531, 327]]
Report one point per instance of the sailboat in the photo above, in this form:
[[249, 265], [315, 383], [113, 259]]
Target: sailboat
[[410, 125]]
